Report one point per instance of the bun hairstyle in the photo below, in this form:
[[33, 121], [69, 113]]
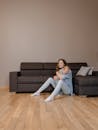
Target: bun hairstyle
[[64, 61]]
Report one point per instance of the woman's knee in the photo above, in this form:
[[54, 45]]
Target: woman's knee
[[50, 79], [60, 81]]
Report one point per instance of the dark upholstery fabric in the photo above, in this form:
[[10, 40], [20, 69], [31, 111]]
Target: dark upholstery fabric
[[48, 72], [31, 87], [31, 72], [50, 66], [45, 78], [33, 75], [30, 79], [86, 81], [76, 66], [28, 87], [95, 73], [31, 66]]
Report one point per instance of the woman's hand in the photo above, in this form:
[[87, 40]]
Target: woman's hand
[[59, 75], [66, 70], [55, 77]]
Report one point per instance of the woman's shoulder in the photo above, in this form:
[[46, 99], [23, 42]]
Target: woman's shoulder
[[67, 68]]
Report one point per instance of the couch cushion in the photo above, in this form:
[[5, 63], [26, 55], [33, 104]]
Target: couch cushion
[[31, 66], [48, 72], [30, 79], [95, 73], [76, 66], [28, 87], [50, 66], [31, 72], [86, 81], [45, 78]]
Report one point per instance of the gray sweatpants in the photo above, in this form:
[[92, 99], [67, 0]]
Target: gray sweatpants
[[58, 86]]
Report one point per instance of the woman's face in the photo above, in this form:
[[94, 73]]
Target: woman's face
[[61, 64]]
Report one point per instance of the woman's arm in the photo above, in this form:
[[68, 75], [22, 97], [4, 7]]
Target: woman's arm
[[61, 76], [55, 77], [66, 70]]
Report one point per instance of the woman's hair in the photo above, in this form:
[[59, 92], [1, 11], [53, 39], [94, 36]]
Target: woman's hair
[[64, 61]]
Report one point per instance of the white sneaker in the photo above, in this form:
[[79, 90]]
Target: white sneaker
[[35, 94]]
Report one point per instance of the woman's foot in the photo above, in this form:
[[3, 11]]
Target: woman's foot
[[49, 99], [36, 94]]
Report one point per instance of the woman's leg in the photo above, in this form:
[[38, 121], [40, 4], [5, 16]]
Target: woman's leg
[[60, 86], [44, 86]]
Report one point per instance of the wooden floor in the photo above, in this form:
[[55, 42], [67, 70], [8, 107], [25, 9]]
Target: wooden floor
[[23, 112]]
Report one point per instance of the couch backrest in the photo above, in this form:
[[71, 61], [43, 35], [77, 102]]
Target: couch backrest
[[31, 66], [37, 68], [76, 66], [49, 69], [30, 69]]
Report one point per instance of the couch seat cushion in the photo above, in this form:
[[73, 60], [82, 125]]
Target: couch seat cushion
[[86, 81], [30, 79], [45, 78]]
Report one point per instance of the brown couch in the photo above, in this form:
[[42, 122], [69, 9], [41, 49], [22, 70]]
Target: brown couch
[[32, 75], [87, 85]]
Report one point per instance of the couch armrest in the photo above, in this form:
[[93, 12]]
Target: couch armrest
[[86, 80], [13, 81]]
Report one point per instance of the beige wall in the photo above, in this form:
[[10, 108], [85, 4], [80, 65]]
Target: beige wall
[[97, 38], [45, 30]]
